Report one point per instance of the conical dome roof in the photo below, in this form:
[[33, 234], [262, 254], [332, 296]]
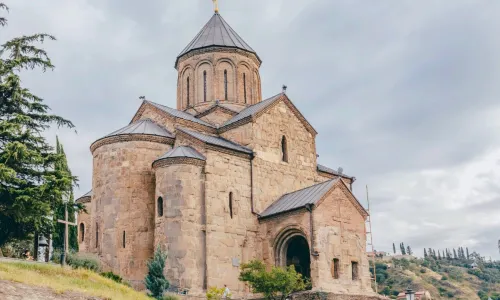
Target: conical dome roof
[[144, 126], [216, 33]]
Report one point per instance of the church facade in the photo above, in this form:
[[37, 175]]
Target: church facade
[[224, 178]]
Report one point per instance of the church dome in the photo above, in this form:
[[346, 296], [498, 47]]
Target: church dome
[[217, 66], [217, 33]]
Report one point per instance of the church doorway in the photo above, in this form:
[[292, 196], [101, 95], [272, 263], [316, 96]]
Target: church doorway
[[298, 255]]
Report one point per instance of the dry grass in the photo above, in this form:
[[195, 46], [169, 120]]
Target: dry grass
[[66, 279]]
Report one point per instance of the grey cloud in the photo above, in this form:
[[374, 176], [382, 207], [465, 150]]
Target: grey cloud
[[393, 90]]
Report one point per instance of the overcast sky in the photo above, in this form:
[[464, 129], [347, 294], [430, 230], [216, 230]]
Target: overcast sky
[[404, 94]]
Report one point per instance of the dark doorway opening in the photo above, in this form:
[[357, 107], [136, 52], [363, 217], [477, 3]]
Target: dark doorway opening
[[297, 254]]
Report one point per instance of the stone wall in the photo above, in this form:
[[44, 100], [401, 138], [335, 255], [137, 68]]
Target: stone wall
[[180, 229], [340, 233], [122, 206], [84, 218], [217, 117]]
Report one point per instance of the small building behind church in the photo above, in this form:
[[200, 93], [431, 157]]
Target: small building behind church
[[224, 178]]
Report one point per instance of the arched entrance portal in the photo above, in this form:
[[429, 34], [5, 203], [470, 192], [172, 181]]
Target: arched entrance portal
[[298, 255], [292, 248]]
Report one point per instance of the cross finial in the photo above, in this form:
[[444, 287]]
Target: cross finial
[[284, 89], [216, 6]]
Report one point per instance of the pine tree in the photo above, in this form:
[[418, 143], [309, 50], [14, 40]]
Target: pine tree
[[454, 254], [30, 186], [425, 253], [58, 236], [155, 280], [394, 248]]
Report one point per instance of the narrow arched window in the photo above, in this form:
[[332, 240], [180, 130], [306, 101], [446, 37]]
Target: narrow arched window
[[96, 235], [245, 87], [225, 84], [123, 239], [187, 93], [204, 86], [160, 206], [82, 232], [284, 150], [231, 204]]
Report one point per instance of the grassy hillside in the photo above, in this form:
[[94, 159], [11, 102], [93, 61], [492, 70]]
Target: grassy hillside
[[444, 279], [62, 280]]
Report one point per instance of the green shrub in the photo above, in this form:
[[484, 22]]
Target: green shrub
[[444, 278], [112, 276], [155, 281], [82, 261], [422, 271], [215, 293]]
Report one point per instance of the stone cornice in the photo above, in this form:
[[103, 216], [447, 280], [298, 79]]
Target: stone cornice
[[215, 108], [131, 137], [252, 118], [174, 119], [218, 49], [86, 199], [213, 147], [165, 162]]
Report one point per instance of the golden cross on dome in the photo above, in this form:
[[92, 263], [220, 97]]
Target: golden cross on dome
[[216, 6]]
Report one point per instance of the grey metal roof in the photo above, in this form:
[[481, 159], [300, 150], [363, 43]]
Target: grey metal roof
[[217, 141], [143, 126], [89, 194], [252, 110], [298, 199], [179, 114], [217, 33], [183, 151], [331, 171]]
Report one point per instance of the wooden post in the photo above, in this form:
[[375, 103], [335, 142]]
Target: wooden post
[[66, 234]]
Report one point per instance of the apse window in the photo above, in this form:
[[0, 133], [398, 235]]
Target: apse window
[[82, 232], [231, 204], [160, 206], [284, 149], [355, 274], [336, 268]]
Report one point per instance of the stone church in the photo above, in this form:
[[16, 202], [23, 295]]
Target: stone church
[[224, 178]]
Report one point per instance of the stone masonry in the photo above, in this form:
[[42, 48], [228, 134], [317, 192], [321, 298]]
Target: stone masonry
[[223, 179]]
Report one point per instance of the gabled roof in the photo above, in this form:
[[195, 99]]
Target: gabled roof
[[322, 168], [257, 109], [84, 198], [178, 114], [216, 141], [183, 151], [216, 33], [144, 126], [216, 106], [309, 196], [298, 199]]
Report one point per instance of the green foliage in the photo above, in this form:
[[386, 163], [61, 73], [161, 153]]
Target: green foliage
[[112, 276], [31, 186], [58, 234], [78, 260], [16, 248], [215, 293], [155, 280], [275, 284]]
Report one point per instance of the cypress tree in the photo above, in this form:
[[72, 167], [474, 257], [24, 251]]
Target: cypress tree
[[403, 251], [408, 250], [155, 280], [454, 254], [425, 253], [439, 255], [467, 249], [394, 248], [30, 185], [58, 236]]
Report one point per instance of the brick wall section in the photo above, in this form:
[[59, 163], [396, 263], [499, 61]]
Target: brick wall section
[[179, 230], [123, 200]]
